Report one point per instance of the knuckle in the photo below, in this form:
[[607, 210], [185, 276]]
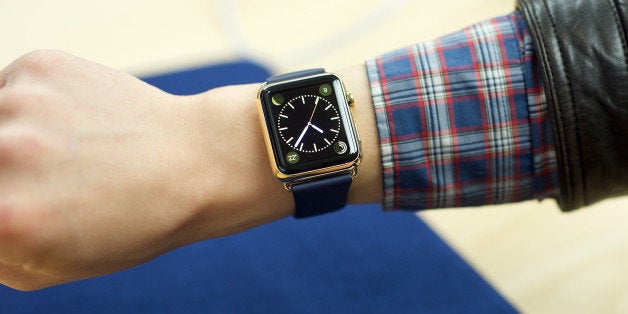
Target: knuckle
[[19, 145], [25, 243], [20, 95], [22, 228], [7, 213], [26, 248], [12, 222], [41, 62], [29, 97], [17, 95]]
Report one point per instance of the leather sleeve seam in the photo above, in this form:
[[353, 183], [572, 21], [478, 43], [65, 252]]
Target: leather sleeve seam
[[559, 127], [573, 104]]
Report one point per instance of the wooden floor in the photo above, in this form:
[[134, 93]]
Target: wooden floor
[[543, 261]]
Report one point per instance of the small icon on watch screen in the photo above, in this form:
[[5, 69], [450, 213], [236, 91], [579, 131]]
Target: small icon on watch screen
[[340, 147], [325, 90], [277, 99], [292, 158]]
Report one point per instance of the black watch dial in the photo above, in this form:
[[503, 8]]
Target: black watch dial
[[309, 125]]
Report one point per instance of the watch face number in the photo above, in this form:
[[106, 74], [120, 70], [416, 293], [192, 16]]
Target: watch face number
[[309, 123], [292, 157]]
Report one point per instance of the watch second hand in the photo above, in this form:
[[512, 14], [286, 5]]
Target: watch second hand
[[312, 115]]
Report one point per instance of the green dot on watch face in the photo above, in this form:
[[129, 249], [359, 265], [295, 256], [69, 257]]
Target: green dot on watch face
[[325, 90], [277, 99]]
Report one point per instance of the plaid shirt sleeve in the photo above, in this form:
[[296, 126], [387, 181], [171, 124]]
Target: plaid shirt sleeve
[[463, 120]]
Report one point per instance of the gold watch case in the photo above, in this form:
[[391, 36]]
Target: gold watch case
[[290, 179]]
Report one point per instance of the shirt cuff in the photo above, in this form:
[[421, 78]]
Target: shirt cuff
[[462, 120]]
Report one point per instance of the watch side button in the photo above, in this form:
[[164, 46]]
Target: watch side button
[[349, 99]]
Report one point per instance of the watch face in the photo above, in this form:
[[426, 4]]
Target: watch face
[[309, 124]]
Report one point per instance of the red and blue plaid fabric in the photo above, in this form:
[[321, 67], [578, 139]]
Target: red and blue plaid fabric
[[463, 120]]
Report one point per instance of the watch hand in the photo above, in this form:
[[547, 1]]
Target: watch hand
[[316, 128], [312, 115], [302, 134]]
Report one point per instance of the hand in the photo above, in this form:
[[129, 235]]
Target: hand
[[100, 172]]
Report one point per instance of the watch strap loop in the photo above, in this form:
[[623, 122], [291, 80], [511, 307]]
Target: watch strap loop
[[321, 196]]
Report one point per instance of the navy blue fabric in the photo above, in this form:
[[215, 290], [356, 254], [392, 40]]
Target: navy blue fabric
[[292, 75], [321, 196], [197, 80], [358, 260]]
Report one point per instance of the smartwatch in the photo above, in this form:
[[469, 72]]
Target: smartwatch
[[312, 142]]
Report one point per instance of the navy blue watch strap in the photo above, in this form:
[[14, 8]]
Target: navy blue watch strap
[[321, 196], [293, 75]]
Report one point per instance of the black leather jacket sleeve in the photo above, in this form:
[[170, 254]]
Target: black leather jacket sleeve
[[581, 48]]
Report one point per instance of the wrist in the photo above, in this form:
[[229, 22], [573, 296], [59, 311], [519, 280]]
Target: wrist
[[232, 188]]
